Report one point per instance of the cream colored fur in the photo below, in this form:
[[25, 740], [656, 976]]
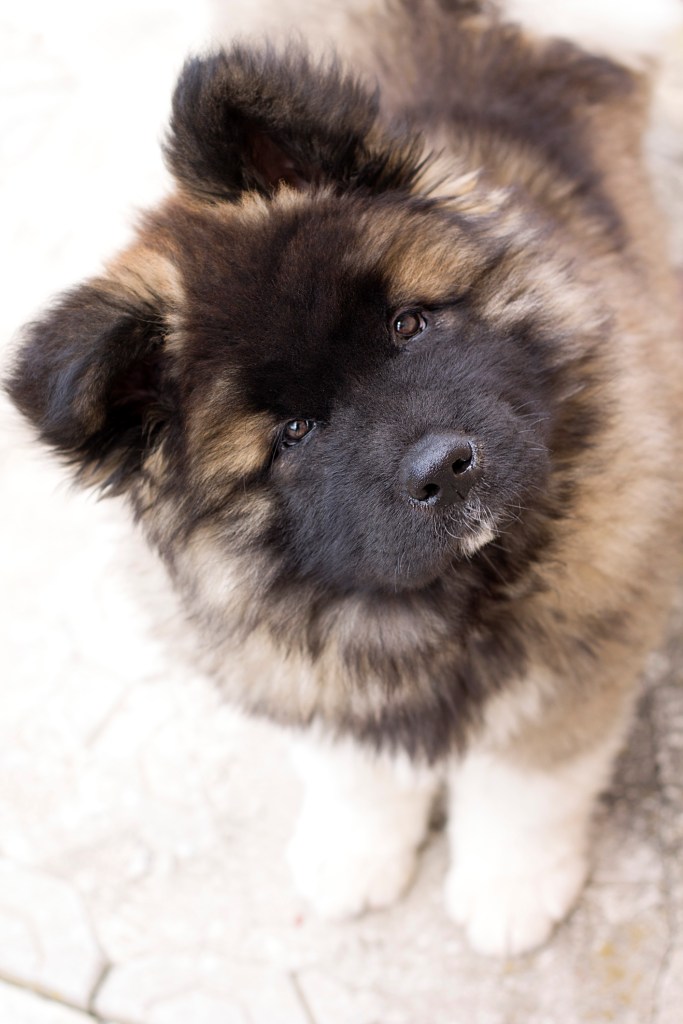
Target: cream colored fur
[[362, 822]]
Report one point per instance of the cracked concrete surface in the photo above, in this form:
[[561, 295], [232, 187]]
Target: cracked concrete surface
[[142, 823]]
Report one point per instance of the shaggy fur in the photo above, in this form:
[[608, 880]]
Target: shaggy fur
[[493, 185]]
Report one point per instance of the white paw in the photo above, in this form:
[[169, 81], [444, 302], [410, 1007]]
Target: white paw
[[341, 875], [508, 914]]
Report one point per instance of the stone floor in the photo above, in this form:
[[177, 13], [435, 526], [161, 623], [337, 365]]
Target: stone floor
[[141, 822]]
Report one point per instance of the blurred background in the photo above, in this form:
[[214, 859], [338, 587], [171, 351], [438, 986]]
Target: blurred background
[[142, 823]]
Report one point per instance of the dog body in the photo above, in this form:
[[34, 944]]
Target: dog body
[[393, 383]]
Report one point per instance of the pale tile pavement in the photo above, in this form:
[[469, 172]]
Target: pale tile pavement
[[141, 822]]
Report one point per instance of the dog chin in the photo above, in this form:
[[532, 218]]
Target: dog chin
[[419, 577]]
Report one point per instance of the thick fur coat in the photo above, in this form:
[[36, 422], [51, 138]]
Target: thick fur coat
[[456, 241]]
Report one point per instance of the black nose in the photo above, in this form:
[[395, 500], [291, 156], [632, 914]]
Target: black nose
[[440, 468]]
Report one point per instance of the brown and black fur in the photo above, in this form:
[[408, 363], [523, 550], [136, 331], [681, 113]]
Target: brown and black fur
[[495, 182]]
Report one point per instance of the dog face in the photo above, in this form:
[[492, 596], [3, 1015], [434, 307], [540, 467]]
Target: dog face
[[388, 425]]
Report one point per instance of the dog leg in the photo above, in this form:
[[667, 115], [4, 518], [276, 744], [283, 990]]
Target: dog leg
[[519, 841], [362, 822]]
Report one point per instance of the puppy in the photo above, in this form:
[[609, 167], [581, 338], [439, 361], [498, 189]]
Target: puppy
[[393, 383]]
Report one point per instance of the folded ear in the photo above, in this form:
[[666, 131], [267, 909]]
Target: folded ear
[[248, 119], [90, 376]]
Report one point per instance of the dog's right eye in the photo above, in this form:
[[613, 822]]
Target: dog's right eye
[[296, 431], [409, 324]]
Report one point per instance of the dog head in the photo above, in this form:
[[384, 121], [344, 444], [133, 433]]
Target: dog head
[[346, 363]]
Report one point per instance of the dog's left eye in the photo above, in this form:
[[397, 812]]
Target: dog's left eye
[[409, 324], [295, 431]]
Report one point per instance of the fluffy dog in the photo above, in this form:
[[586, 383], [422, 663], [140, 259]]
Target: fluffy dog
[[393, 383]]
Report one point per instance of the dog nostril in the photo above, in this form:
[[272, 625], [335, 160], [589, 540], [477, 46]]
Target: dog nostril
[[429, 491], [463, 464]]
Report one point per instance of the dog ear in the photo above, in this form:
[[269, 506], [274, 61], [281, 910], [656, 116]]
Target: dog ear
[[90, 376], [248, 120]]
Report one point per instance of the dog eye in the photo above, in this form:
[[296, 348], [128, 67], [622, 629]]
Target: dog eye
[[296, 430], [409, 324]]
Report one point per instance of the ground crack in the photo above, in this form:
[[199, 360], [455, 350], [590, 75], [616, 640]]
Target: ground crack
[[48, 996], [96, 989]]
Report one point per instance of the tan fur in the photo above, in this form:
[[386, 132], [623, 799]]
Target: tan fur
[[145, 274], [228, 443], [628, 512]]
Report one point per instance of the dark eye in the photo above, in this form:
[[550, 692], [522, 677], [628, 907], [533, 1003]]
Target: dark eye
[[408, 324], [296, 430]]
